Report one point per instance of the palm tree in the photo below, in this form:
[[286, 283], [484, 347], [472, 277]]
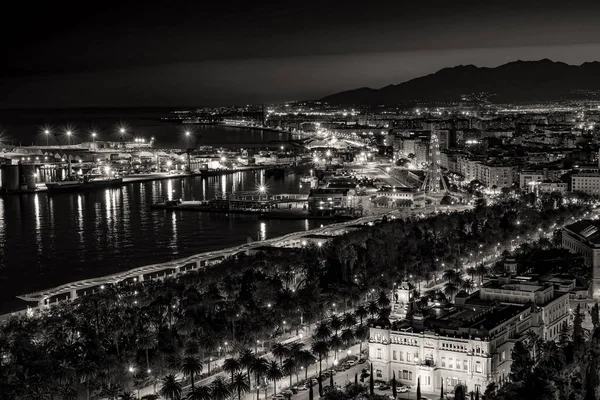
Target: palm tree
[[260, 368], [361, 313], [323, 331], [247, 359], [199, 393], [335, 344], [87, 372], [111, 391], [170, 389], [295, 349], [231, 365], [383, 300], [347, 336], [336, 323], [147, 341], [68, 392], [372, 308], [362, 334], [305, 358], [468, 285], [450, 290], [240, 384], [321, 349], [280, 350], [289, 367], [127, 396], [191, 366], [219, 389], [349, 320], [482, 270], [274, 373]]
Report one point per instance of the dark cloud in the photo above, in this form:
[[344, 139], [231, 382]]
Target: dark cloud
[[265, 50]]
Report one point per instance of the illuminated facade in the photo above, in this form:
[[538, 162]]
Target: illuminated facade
[[469, 342], [583, 237]]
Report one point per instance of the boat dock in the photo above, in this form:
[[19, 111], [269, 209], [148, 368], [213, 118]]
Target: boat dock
[[279, 206]]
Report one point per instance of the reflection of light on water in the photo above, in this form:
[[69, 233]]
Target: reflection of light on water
[[36, 208], [262, 177], [263, 231], [2, 233], [108, 210], [38, 233], [174, 227], [80, 218], [170, 189], [306, 225], [203, 188], [224, 185]]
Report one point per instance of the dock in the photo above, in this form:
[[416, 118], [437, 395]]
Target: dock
[[156, 176]]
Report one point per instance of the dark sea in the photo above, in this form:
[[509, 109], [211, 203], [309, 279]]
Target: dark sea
[[46, 240]]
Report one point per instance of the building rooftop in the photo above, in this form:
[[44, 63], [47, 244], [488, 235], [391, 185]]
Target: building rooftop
[[586, 229], [462, 320]]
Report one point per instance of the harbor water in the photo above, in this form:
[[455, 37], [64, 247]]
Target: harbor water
[[47, 240]]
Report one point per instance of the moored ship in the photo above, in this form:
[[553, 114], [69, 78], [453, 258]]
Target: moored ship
[[85, 183]]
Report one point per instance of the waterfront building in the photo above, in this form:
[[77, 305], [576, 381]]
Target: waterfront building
[[583, 237], [469, 342], [330, 201], [399, 194]]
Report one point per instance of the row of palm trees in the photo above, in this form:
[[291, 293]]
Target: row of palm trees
[[250, 370], [219, 389]]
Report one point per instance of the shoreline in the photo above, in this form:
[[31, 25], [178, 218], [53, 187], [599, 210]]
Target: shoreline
[[205, 258]]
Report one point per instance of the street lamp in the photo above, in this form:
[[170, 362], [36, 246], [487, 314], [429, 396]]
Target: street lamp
[[122, 131], [47, 133], [69, 133], [93, 137], [187, 139]]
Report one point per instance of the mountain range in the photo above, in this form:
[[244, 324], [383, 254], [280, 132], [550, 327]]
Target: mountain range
[[516, 82]]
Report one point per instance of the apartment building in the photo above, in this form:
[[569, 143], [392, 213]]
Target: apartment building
[[586, 182]]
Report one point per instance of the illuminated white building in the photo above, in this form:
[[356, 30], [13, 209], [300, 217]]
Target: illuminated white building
[[583, 237], [470, 342]]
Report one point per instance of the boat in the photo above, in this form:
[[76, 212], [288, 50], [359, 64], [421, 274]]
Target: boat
[[307, 179], [179, 204], [85, 183]]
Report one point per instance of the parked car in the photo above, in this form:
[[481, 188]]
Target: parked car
[[340, 368], [278, 396], [384, 386], [402, 389], [362, 360], [351, 363]]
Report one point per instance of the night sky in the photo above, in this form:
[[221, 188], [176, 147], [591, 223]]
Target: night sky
[[185, 53]]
